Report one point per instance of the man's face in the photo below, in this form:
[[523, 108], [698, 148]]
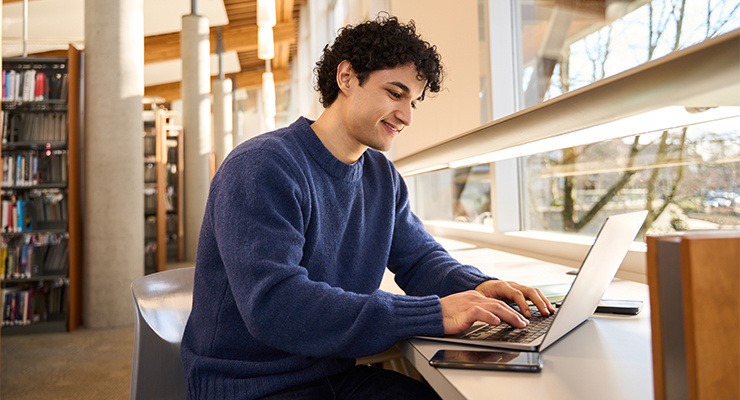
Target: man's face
[[380, 108]]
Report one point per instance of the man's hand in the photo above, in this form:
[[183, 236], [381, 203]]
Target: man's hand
[[461, 310], [513, 292], [489, 303]]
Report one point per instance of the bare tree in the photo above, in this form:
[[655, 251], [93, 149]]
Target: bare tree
[[672, 13]]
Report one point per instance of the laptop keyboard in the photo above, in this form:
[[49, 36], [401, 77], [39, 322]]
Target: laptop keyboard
[[538, 325]]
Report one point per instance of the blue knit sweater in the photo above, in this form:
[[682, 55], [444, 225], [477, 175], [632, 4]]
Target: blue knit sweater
[[291, 253]]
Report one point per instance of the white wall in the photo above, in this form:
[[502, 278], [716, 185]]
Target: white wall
[[439, 117], [456, 108]]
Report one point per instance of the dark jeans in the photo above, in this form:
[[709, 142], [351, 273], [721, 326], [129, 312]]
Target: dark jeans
[[359, 383]]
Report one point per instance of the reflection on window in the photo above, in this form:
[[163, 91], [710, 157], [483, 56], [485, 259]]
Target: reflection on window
[[687, 178], [459, 195], [568, 46]]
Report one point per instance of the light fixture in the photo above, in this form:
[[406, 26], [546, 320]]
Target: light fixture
[[265, 43], [268, 99], [266, 19], [266, 14]]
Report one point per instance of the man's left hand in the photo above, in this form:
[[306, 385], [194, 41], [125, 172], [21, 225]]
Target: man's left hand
[[518, 294]]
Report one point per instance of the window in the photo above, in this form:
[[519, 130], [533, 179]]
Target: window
[[568, 45], [460, 195], [684, 172], [688, 178]]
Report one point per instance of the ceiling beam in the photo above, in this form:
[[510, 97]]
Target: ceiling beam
[[284, 10], [166, 47], [244, 80]]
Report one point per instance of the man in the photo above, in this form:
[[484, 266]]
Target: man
[[299, 227]]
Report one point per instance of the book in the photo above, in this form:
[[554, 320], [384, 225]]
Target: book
[[29, 85], [3, 260], [40, 92]]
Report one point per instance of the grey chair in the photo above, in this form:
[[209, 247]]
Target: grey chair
[[162, 301]]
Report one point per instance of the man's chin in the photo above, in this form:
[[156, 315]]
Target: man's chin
[[382, 148]]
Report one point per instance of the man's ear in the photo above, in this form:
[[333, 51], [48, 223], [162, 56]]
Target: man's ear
[[344, 75]]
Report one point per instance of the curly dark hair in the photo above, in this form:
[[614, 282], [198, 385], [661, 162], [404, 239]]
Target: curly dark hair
[[383, 43]]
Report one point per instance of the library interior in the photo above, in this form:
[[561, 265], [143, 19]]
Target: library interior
[[554, 116]]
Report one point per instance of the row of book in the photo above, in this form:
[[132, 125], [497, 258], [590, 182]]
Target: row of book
[[150, 199], [25, 306], [39, 210], [34, 85], [150, 227], [31, 261], [30, 168], [25, 127], [150, 148]]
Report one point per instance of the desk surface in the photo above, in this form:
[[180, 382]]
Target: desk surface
[[606, 357]]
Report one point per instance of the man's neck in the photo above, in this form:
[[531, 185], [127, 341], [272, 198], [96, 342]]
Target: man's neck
[[332, 132]]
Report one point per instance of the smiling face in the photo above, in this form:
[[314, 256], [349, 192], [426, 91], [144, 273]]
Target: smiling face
[[376, 112]]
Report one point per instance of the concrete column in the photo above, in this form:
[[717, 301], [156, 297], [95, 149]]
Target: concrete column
[[196, 118], [223, 131], [113, 160]]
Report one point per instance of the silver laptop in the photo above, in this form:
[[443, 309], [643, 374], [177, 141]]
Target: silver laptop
[[595, 275]]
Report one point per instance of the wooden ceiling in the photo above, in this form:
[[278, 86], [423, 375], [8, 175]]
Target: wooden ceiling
[[240, 35]]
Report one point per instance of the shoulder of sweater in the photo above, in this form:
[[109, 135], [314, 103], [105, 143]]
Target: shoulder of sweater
[[274, 142], [268, 149], [266, 159]]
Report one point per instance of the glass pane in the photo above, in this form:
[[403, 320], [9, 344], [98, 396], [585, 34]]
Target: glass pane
[[687, 178], [568, 45], [461, 195]]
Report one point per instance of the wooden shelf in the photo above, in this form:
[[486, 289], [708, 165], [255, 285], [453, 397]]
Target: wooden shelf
[[164, 135], [70, 226]]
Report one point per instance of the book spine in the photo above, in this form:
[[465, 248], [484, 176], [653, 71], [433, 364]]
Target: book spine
[[3, 261], [40, 86], [4, 216], [10, 85]]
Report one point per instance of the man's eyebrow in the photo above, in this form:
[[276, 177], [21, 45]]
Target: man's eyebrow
[[403, 87]]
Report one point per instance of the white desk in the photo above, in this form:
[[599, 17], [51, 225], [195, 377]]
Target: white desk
[[606, 357]]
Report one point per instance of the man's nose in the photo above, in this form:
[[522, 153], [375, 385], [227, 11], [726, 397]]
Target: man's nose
[[405, 114]]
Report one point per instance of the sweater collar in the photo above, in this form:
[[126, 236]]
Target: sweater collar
[[323, 157]]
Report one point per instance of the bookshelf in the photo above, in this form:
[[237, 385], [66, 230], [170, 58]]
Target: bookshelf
[[40, 255], [163, 184]]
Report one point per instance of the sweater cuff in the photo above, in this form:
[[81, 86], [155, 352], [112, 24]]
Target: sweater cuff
[[473, 277], [465, 277], [418, 315]]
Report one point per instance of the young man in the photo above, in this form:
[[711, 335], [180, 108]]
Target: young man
[[299, 227]]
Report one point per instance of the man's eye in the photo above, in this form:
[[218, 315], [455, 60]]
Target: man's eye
[[394, 94]]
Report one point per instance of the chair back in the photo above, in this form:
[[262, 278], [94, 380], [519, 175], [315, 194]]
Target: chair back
[[162, 302]]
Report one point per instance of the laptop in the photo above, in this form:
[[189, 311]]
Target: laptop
[[594, 276]]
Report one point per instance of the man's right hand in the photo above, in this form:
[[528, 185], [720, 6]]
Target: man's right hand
[[462, 310]]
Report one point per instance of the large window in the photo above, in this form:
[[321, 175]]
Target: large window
[[687, 176], [570, 44]]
